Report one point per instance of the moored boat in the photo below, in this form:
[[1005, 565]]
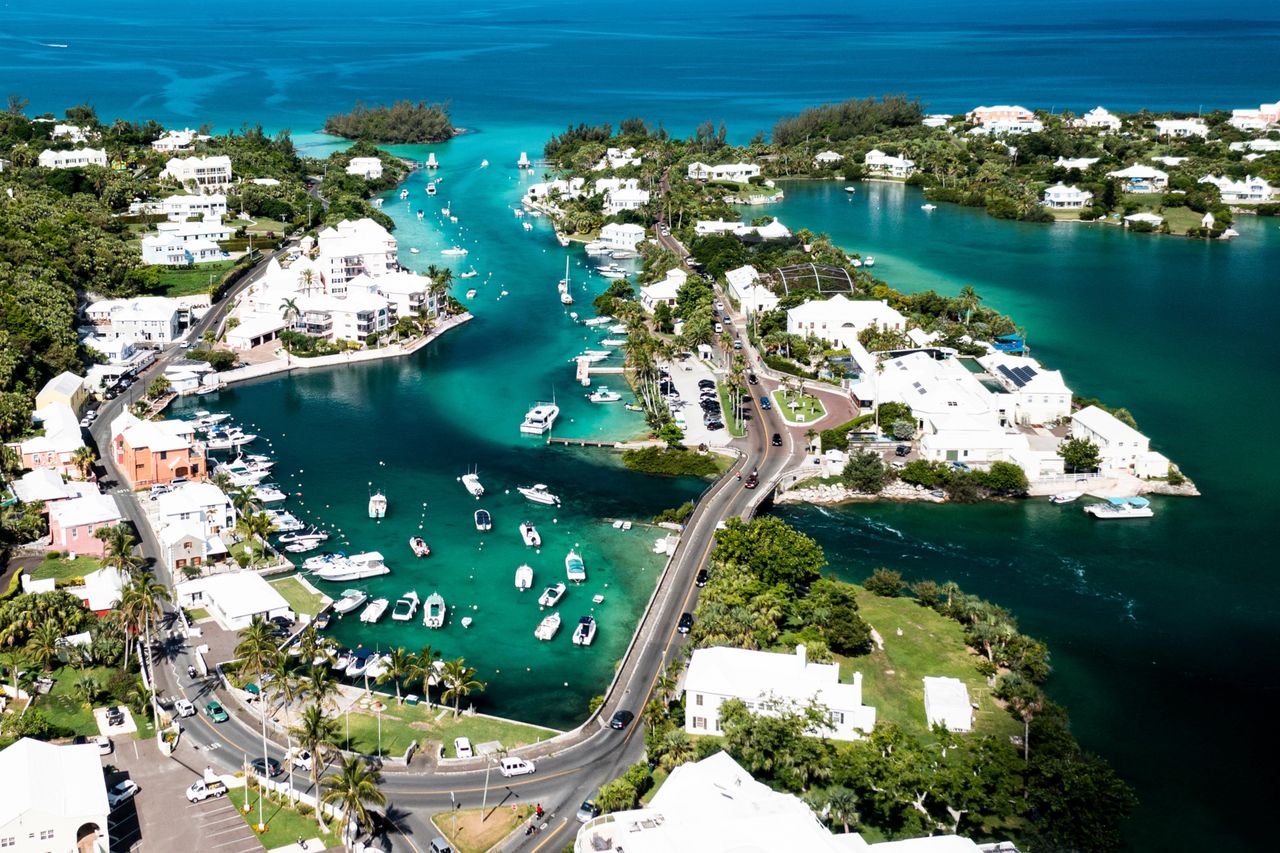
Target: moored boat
[[530, 535], [350, 600], [539, 494], [1121, 508], [406, 607], [360, 660], [548, 627], [551, 595], [604, 395], [434, 611], [374, 611], [353, 568], [524, 577], [1065, 497], [377, 505], [540, 418], [574, 567], [471, 482], [484, 521], [312, 535], [456, 251], [420, 547], [585, 633]]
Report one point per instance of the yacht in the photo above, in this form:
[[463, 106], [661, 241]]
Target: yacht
[[471, 294], [530, 535], [484, 521], [350, 600], [612, 271], [598, 321], [592, 356], [456, 251], [284, 522], [548, 627], [612, 342], [524, 577], [312, 535], [341, 661], [321, 560], [227, 439], [1065, 497], [207, 420], [378, 505], [538, 494], [353, 568], [623, 255], [420, 547], [471, 482], [374, 611], [540, 418], [604, 395], [551, 595], [574, 567], [484, 164], [566, 298], [360, 660], [1121, 508], [421, 215], [432, 163], [241, 479], [413, 250], [595, 247], [528, 226], [269, 493], [434, 611], [302, 547], [585, 632], [618, 329], [406, 607]]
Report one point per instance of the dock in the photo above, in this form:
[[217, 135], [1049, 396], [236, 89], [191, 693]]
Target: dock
[[586, 369], [581, 442]]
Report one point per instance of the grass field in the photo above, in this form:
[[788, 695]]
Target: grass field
[[284, 825], [62, 569], [301, 599], [66, 711], [734, 427], [930, 645], [187, 282], [807, 410], [469, 831], [404, 724]]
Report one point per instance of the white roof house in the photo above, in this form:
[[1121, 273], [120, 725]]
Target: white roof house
[[840, 319], [1119, 445], [619, 200], [936, 120], [212, 229], [1141, 179], [177, 140], [664, 291], [185, 543], [369, 168], [234, 598], [703, 227], [745, 287], [823, 158], [1166, 160], [767, 682], [199, 172], [70, 132], [880, 163], [56, 448], [1181, 128], [53, 798], [208, 207], [1081, 163], [74, 159], [102, 589], [737, 172], [946, 702], [1040, 396], [622, 235], [166, 250], [66, 388], [1098, 117], [354, 247], [1003, 119], [617, 159], [1144, 216], [775, 230], [407, 292], [43, 485], [1262, 145], [141, 318], [204, 503], [1062, 197], [1251, 190]]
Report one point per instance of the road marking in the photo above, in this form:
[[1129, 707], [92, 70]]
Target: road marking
[[563, 822]]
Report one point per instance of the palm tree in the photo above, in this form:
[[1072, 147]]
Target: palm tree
[[243, 499], [842, 807], [352, 789], [44, 643], [423, 669], [320, 684], [459, 680], [119, 549], [84, 458], [398, 665], [289, 310], [257, 649], [13, 661], [677, 749], [809, 435], [969, 300], [254, 526], [318, 735], [86, 689], [141, 603], [223, 481]]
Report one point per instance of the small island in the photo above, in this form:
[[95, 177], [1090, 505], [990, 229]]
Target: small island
[[402, 123]]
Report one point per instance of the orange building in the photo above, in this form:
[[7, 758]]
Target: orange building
[[151, 452]]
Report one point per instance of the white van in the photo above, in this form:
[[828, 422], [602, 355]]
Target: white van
[[516, 767]]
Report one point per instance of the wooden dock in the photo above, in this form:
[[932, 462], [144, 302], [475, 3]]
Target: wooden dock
[[581, 442]]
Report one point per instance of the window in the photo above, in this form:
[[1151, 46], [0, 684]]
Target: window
[[697, 698], [699, 722], [46, 834], [11, 841]]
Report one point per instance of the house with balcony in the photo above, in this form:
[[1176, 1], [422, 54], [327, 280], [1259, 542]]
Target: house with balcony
[[1062, 197], [663, 291], [746, 289], [408, 294], [143, 319], [151, 452], [200, 173], [177, 141], [1250, 190], [201, 503], [169, 251], [1039, 396], [615, 158], [1120, 446], [704, 227], [1003, 119], [622, 236], [76, 158], [827, 158], [353, 248], [619, 200]]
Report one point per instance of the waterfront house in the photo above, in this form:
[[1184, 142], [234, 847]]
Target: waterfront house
[[627, 198], [622, 236], [201, 503], [56, 449], [408, 294], [1039, 396], [151, 452], [1120, 446], [1251, 190], [177, 141], [1003, 119], [936, 120], [1062, 197], [769, 683], [76, 158], [664, 291], [154, 319], [352, 248], [1152, 219], [604, 186], [73, 522], [703, 227], [1098, 118], [65, 388], [617, 159], [255, 330], [200, 173], [351, 318], [752, 296], [1141, 179], [827, 158], [739, 173], [1181, 128], [775, 230], [184, 544], [234, 598], [53, 797], [840, 319], [946, 703], [369, 168], [1081, 163], [880, 163]]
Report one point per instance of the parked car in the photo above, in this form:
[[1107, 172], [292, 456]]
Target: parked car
[[183, 708], [462, 747], [902, 450], [216, 712], [266, 767], [115, 716], [621, 719], [515, 767], [588, 811], [105, 746], [201, 790], [719, 329], [122, 792], [776, 441], [706, 383]]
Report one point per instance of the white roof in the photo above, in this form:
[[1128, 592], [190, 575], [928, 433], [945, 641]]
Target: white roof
[[65, 781], [840, 311], [1041, 382], [139, 308], [402, 283], [1137, 170], [775, 230], [1153, 218], [154, 435], [946, 701], [752, 675], [102, 588], [189, 498], [65, 383], [42, 484], [622, 229], [61, 430], [928, 844], [237, 594], [660, 291], [743, 277], [1107, 425], [256, 326], [86, 509]]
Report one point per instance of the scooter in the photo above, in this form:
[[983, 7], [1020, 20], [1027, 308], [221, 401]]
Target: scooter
[[191, 672]]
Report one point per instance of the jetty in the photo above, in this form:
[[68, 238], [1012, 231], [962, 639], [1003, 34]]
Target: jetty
[[582, 442], [586, 369]]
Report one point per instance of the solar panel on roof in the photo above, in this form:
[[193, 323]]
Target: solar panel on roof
[[1012, 374]]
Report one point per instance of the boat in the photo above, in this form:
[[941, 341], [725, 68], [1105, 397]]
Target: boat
[[851, 189], [227, 439], [612, 342], [350, 600], [633, 407], [528, 226], [360, 660], [341, 662], [471, 482], [592, 356], [618, 329], [377, 666], [540, 418], [869, 261], [597, 599], [566, 298], [455, 251], [623, 255], [856, 263], [551, 595], [604, 395], [530, 535], [1065, 497], [596, 248], [928, 207], [548, 627], [312, 535], [538, 494], [420, 547], [431, 188], [284, 522], [612, 271], [1121, 508], [598, 321], [378, 505], [585, 632], [471, 274], [321, 560], [434, 611], [524, 577], [353, 568], [574, 568], [269, 493], [374, 611], [484, 164], [432, 163], [484, 521], [321, 622], [406, 607], [413, 250], [466, 621], [303, 546], [404, 194], [204, 420], [562, 240]]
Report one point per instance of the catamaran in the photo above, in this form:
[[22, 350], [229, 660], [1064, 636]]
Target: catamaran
[[585, 632], [539, 494], [377, 505], [530, 535], [434, 611], [574, 567], [406, 607], [548, 627]]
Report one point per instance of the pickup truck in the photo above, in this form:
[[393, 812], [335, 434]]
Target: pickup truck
[[201, 790]]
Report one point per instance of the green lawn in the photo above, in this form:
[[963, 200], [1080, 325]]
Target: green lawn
[[735, 427], [261, 225], [62, 569], [930, 645], [808, 409], [401, 725], [188, 282], [301, 599], [480, 830], [66, 711], [284, 825]]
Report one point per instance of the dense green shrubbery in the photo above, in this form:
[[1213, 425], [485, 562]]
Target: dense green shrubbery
[[670, 462], [404, 122]]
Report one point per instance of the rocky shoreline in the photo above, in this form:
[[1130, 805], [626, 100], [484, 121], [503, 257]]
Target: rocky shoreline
[[824, 494]]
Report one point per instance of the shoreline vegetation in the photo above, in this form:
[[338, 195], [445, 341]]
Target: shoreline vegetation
[[400, 123]]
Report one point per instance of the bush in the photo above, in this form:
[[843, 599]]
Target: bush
[[921, 472], [866, 472], [1005, 478], [965, 487], [217, 359], [679, 515], [884, 583], [1175, 477], [670, 462], [891, 413]]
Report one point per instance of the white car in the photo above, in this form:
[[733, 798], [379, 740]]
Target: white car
[[462, 747], [105, 746], [516, 767], [184, 708], [299, 759], [122, 792]]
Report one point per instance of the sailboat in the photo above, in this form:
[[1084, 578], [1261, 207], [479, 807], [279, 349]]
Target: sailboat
[[566, 298]]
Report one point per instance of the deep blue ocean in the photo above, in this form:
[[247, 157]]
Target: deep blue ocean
[[1164, 633]]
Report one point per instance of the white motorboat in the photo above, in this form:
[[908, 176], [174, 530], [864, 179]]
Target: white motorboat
[[205, 419], [856, 263], [471, 294], [540, 418], [377, 505], [566, 298], [432, 163], [530, 535], [469, 274], [269, 493], [484, 521], [471, 482], [434, 611], [374, 611], [585, 632], [596, 248], [241, 479], [302, 547], [406, 607], [360, 660], [377, 667], [928, 207], [1065, 497], [312, 535], [597, 599], [612, 271], [598, 321], [353, 568], [551, 595], [613, 342], [618, 329], [851, 189], [350, 600], [341, 662], [284, 522], [431, 188], [592, 356], [1121, 508], [604, 395], [226, 440], [574, 567], [404, 194], [528, 226], [524, 577], [538, 494], [484, 164], [321, 560], [466, 621], [413, 250], [623, 255], [548, 627], [456, 251], [869, 261], [419, 546]]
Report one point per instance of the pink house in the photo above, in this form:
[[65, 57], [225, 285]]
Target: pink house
[[73, 523]]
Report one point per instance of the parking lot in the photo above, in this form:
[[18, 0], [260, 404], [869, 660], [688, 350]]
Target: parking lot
[[685, 375]]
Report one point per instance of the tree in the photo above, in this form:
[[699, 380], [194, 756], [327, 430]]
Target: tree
[[1024, 699], [884, 583], [317, 734], [86, 689], [969, 300], [289, 310], [353, 788], [158, 388], [617, 796], [671, 434], [832, 606], [399, 664], [771, 550], [44, 644], [257, 650], [84, 457], [866, 472], [118, 543], [1005, 478], [1080, 454], [842, 807], [425, 667], [777, 746], [459, 682]]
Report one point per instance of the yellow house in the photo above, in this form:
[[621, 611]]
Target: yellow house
[[65, 388]]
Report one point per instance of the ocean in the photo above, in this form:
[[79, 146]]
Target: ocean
[[1163, 632]]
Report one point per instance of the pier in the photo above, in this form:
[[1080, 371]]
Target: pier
[[586, 368], [581, 442]]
